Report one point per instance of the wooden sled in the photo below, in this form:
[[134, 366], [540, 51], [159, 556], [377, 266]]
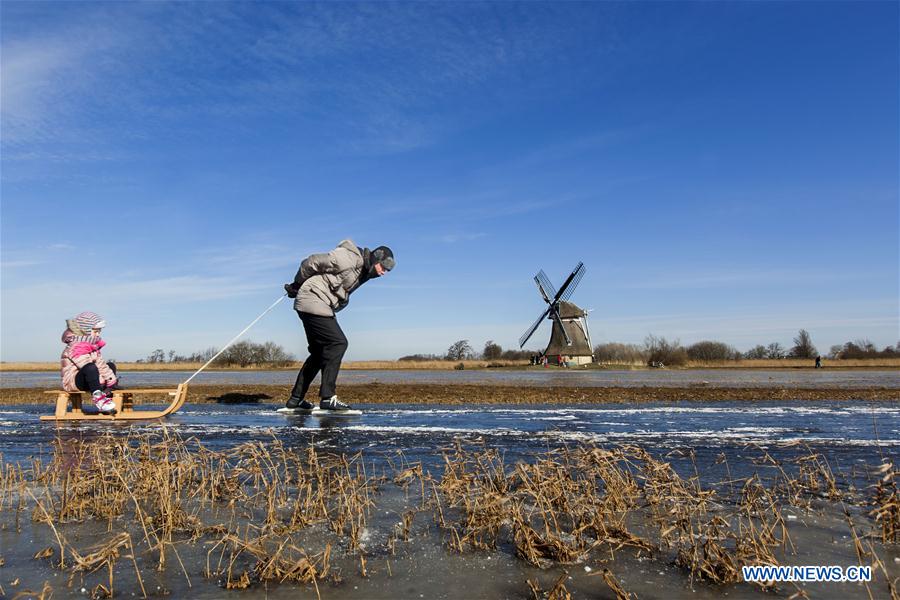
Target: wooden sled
[[124, 400]]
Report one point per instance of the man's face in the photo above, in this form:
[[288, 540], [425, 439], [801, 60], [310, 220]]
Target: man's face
[[379, 269]]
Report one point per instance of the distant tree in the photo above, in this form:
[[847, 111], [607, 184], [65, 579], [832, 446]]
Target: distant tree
[[460, 350], [244, 354], [835, 351], [775, 351], [866, 345], [171, 356], [756, 353], [157, 356], [615, 352], [491, 351], [711, 351], [803, 346], [204, 355], [518, 354], [240, 354], [861, 349], [660, 350], [420, 357], [275, 355]]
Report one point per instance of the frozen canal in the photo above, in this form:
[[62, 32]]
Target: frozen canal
[[718, 441], [789, 378], [846, 432]]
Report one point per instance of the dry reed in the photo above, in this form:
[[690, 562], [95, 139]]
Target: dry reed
[[268, 513]]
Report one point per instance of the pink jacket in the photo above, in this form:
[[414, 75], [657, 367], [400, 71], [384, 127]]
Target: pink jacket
[[80, 351]]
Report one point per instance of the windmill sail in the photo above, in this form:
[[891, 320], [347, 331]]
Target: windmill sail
[[577, 273], [530, 331], [544, 285]]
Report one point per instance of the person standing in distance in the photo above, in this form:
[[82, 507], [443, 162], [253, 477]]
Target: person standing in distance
[[321, 288]]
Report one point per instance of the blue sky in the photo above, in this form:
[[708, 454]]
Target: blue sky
[[726, 171]]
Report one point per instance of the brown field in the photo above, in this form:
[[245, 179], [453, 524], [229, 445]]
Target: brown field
[[449, 365], [383, 393], [798, 363]]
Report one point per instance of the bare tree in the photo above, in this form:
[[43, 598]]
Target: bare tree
[[662, 351], [203, 355], [615, 352], [275, 355], [712, 351], [248, 353], [775, 351], [460, 350], [756, 353], [864, 348], [803, 346], [240, 354], [866, 345]]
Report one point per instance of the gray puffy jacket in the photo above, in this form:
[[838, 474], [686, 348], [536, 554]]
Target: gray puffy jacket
[[327, 280]]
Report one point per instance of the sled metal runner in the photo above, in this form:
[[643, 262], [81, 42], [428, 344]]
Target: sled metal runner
[[124, 400]]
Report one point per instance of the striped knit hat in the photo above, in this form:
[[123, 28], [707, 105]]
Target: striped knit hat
[[85, 322]]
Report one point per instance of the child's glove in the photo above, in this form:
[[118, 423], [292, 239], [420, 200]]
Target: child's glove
[[81, 348], [291, 289], [98, 345]]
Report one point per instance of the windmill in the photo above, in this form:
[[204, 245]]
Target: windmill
[[570, 336]]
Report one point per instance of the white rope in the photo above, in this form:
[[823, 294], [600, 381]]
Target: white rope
[[234, 339]]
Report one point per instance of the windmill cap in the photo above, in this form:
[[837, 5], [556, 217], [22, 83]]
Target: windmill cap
[[384, 256]]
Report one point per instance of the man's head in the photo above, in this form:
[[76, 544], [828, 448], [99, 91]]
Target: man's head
[[382, 261]]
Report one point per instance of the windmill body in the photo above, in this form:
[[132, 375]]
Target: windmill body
[[570, 338]]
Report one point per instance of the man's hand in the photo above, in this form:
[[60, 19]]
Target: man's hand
[[291, 289]]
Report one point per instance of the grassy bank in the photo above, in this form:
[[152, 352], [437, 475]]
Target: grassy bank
[[449, 365]]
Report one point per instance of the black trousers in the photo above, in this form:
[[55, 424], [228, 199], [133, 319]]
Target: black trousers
[[88, 377], [327, 344]]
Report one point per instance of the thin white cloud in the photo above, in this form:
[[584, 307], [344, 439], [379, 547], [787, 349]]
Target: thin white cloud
[[283, 60], [18, 264], [453, 238], [178, 290], [45, 79], [249, 257]]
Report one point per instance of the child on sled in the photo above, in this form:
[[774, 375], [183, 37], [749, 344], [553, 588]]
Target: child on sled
[[82, 365]]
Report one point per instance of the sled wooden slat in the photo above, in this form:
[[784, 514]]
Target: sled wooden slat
[[124, 400]]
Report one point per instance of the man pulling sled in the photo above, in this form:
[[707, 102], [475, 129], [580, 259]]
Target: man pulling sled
[[321, 288]]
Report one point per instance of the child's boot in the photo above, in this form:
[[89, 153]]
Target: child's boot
[[104, 403]]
